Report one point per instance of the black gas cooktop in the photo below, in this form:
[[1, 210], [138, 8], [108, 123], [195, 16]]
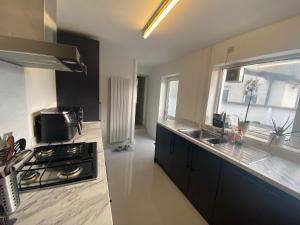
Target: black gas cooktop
[[53, 165]]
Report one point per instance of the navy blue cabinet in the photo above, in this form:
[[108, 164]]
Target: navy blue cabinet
[[163, 148], [173, 154], [246, 200], [181, 163], [223, 193], [204, 177]]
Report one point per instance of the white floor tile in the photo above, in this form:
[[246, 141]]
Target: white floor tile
[[141, 192]]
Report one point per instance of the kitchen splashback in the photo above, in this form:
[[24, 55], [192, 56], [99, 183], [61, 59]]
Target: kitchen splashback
[[13, 108]]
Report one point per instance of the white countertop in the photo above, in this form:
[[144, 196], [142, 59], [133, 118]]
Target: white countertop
[[278, 171], [85, 203]]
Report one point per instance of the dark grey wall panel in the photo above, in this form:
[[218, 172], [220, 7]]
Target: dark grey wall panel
[[77, 89]]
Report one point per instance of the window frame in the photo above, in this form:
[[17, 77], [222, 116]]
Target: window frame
[[218, 100], [168, 81]]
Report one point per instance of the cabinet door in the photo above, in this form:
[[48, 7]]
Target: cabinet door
[[78, 89], [181, 161], [238, 198], [204, 177], [246, 200], [279, 208], [163, 148]]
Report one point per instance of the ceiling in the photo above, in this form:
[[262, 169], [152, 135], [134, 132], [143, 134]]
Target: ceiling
[[191, 25]]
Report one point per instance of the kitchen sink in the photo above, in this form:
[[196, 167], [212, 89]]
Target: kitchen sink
[[192, 133], [215, 141], [197, 133], [244, 154]]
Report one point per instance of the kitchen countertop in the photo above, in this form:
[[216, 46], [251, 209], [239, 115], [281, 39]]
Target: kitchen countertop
[[278, 171], [85, 203]]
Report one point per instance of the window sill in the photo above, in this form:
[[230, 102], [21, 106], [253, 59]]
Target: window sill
[[285, 151], [250, 138], [262, 140]]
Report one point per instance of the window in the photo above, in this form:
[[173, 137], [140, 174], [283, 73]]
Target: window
[[171, 97], [275, 98]]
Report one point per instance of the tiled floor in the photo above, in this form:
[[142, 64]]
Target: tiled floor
[[141, 192]]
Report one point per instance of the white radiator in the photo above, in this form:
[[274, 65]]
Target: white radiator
[[119, 110]]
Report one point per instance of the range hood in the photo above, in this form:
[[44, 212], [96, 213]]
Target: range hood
[[40, 54], [28, 37]]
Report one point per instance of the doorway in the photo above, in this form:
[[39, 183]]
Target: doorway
[[141, 100]]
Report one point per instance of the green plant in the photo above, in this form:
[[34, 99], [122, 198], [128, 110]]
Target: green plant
[[281, 131], [251, 88]]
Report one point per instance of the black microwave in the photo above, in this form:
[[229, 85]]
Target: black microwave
[[57, 124]]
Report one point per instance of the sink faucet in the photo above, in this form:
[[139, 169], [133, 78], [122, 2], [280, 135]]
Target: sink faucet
[[223, 126]]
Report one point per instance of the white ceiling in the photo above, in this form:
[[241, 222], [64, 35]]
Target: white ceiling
[[191, 25]]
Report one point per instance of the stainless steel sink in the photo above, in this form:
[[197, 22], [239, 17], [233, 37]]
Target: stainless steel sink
[[215, 141], [192, 133], [244, 154], [197, 133]]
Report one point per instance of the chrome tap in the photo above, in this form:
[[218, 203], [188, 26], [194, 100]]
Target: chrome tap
[[223, 126]]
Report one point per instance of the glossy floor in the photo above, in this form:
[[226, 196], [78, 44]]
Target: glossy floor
[[141, 192]]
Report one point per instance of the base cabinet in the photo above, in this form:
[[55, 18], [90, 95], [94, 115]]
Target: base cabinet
[[204, 177], [223, 193], [181, 163], [246, 200], [163, 148]]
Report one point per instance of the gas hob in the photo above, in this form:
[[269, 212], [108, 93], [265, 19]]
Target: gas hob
[[54, 165]]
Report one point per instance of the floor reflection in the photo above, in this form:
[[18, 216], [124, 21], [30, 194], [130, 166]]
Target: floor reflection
[[141, 192]]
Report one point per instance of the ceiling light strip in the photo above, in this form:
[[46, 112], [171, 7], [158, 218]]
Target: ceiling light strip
[[158, 16]]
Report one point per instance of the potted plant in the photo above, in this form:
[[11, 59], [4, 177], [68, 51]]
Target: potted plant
[[278, 135], [251, 88]]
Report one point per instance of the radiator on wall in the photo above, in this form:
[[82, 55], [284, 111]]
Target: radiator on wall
[[119, 110]]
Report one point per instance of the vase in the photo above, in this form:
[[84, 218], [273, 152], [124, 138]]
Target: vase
[[243, 126], [276, 140]]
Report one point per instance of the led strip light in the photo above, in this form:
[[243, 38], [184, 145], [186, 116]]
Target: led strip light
[[158, 16]]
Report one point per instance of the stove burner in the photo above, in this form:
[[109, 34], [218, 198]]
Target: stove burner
[[73, 150], [69, 172], [46, 153], [58, 164], [29, 176]]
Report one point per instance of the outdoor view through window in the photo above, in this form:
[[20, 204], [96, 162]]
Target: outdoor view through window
[[171, 101], [275, 98]]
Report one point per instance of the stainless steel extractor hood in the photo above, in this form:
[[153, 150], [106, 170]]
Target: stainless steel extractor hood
[[28, 37], [40, 54]]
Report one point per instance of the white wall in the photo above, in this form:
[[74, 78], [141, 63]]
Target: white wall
[[117, 65], [13, 107], [195, 69], [144, 70], [40, 92], [278, 37], [192, 72], [22, 92]]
